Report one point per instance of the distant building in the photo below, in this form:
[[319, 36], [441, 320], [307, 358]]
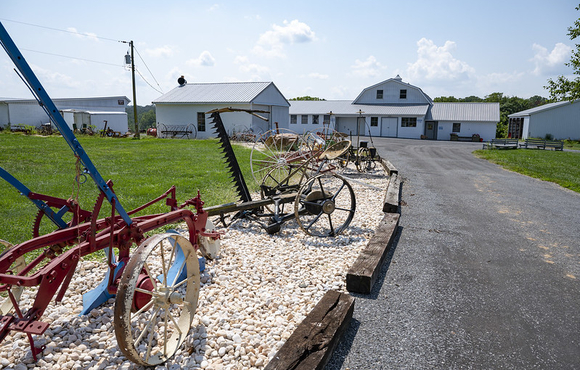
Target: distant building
[[393, 108], [77, 112], [559, 120], [189, 103]]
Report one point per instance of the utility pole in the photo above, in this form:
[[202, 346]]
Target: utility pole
[[134, 91], [136, 124]]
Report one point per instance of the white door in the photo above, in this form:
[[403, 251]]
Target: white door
[[389, 126]]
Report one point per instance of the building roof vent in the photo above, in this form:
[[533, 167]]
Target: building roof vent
[[398, 78], [181, 81]]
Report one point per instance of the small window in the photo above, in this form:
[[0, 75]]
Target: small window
[[457, 127], [326, 119], [315, 119], [379, 94], [374, 121], [293, 119], [304, 119], [403, 94], [409, 122], [200, 121]]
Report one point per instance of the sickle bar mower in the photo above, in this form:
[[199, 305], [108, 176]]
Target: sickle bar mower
[[156, 284]]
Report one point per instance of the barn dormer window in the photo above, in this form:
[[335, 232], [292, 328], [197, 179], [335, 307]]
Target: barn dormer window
[[403, 94], [379, 94]]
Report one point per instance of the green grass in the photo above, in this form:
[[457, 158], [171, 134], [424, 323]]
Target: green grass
[[562, 168], [141, 170]]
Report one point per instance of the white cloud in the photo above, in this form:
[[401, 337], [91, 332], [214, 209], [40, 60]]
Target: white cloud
[[550, 62], [271, 43], [90, 35], [205, 59], [163, 51], [318, 76], [214, 7], [256, 72], [367, 68], [436, 63]]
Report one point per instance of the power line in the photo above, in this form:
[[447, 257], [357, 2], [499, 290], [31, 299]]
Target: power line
[[151, 73], [68, 56], [61, 30]]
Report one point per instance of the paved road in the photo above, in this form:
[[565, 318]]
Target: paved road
[[484, 274]]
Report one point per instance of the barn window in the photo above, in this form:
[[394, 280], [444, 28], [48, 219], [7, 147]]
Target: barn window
[[315, 119], [379, 94], [293, 119], [326, 119], [200, 121], [457, 127], [304, 119], [403, 94], [409, 122], [374, 121]]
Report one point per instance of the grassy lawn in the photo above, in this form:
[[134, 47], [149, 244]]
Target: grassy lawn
[[563, 168], [141, 170]]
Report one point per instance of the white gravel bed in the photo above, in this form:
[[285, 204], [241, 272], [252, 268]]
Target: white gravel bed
[[252, 297]]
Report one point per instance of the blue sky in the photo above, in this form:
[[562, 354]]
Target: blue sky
[[327, 49]]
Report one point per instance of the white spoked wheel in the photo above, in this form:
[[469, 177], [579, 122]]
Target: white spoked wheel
[[156, 299], [277, 149], [325, 205]]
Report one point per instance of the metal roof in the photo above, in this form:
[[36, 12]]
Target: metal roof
[[234, 92], [346, 108], [479, 112], [541, 108]]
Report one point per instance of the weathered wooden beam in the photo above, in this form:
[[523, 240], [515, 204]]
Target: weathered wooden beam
[[391, 203], [314, 340], [388, 166], [365, 270]]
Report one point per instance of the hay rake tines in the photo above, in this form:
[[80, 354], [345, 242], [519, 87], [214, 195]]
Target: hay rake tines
[[296, 178], [157, 285]]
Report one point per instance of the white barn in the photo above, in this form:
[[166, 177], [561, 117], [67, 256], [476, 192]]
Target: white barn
[[189, 103], [559, 120], [79, 112], [393, 108]]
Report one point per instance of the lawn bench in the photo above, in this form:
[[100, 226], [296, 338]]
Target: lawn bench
[[501, 144], [173, 131], [542, 144], [455, 137]]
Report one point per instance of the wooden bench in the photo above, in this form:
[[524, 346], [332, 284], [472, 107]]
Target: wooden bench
[[501, 144], [177, 130], [542, 144], [455, 137]]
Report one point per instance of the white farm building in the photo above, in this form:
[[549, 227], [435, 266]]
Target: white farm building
[[559, 120], [189, 103], [77, 112], [393, 108]]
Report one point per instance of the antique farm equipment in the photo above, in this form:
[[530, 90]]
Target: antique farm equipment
[[362, 155], [155, 279], [296, 182]]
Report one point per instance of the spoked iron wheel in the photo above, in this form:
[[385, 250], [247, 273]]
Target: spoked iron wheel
[[281, 180], [277, 149], [325, 205], [157, 298]]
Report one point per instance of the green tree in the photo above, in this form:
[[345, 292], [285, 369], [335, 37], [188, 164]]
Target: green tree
[[307, 97], [563, 88], [147, 119]]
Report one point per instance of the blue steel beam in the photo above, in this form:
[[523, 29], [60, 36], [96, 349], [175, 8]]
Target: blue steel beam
[[46, 102]]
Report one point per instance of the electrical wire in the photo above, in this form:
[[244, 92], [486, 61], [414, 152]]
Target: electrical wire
[[151, 73], [147, 82], [68, 56], [60, 30]]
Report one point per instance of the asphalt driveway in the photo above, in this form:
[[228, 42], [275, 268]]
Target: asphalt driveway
[[484, 272]]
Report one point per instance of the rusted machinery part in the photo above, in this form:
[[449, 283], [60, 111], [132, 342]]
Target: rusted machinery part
[[364, 161], [278, 148], [282, 180], [336, 150], [208, 246], [17, 266], [153, 310], [325, 205]]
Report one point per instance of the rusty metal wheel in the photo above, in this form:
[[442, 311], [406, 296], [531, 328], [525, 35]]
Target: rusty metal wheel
[[325, 205], [156, 299]]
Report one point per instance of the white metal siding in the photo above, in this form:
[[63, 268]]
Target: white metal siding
[[562, 122], [485, 130], [391, 91]]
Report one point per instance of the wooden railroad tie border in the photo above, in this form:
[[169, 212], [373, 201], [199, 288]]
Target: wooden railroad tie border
[[311, 345], [391, 202], [365, 270]]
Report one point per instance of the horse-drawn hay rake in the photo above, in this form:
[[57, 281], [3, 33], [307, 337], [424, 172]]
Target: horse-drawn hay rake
[[155, 278], [297, 181], [156, 284]]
